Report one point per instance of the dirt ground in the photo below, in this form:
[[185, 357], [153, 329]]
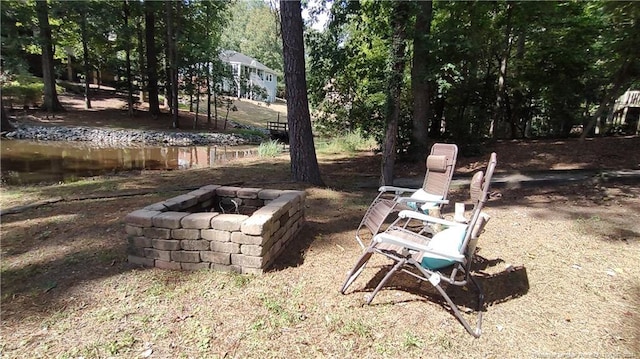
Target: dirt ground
[[558, 265], [108, 110]]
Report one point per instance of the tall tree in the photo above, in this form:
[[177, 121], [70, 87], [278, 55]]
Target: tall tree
[[126, 13], [75, 35], [152, 58], [5, 125], [304, 163], [51, 102], [500, 106], [399, 15], [172, 61], [85, 58], [420, 80]]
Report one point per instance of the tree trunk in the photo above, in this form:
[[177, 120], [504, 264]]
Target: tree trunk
[[51, 102], [5, 125], [195, 118], [209, 67], [499, 116], [85, 59], [141, 69], [215, 109], [167, 68], [400, 14], [304, 163], [152, 61], [420, 81], [208, 93], [127, 49], [517, 101], [173, 68], [190, 85], [435, 129]]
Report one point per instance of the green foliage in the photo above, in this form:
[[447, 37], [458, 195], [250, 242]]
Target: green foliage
[[349, 143], [496, 69], [411, 340], [254, 31], [271, 148], [17, 25], [251, 133], [347, 66], [24, 90]]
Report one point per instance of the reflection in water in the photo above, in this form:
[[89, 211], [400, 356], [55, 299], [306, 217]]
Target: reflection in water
[[24, 162]]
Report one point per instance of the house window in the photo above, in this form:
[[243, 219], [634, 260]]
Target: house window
[[235, 69], [269, 77]]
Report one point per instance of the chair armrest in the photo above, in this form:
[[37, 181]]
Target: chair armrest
[[421, 201], [410, 245], [397, 190], [425, 218]]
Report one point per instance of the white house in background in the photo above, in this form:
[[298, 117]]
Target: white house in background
[[253, 73]]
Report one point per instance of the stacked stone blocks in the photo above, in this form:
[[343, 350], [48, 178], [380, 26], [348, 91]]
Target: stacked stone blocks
[[216, 227]]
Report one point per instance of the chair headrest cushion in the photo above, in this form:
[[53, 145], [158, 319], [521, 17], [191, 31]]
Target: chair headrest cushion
[[476, 185], [437, 163]]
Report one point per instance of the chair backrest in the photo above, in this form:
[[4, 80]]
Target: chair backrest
[[440, 163], [479, 193]]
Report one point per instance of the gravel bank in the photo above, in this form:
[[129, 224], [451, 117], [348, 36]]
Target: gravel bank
[[105, 137]]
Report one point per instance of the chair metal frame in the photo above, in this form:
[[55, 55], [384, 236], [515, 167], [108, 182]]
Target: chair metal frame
[[394, 199], [406, 248]]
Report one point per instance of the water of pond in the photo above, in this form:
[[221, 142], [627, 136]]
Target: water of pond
[[28, 162]]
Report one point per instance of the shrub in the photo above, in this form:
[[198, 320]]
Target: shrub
[[350, 142], [269, 148], [26, 90], [26, 95]]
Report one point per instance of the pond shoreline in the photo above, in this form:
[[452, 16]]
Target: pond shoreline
[[107, 137]]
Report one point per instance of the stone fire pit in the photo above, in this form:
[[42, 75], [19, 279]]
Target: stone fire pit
[[216, 227]]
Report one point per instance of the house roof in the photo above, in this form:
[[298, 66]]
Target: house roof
[[234, 56]]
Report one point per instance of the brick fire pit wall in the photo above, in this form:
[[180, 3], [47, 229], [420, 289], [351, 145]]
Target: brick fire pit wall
[[215, 227]]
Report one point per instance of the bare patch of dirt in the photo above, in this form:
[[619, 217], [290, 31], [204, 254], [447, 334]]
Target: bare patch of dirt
[[558, 265], [601, 153], [108, 110]]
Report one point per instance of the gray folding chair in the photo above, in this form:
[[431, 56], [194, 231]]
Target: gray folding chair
[[443, 257], [433, 194]]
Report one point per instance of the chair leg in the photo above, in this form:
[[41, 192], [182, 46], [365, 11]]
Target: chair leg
[[480, 307], [475, 332], [395, 268], [357, 269]]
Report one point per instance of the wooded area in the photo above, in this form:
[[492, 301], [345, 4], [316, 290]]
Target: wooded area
[[151, 51], [405, 73], [474, 70]]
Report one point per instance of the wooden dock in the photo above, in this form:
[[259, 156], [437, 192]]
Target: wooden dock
[[278, 131]]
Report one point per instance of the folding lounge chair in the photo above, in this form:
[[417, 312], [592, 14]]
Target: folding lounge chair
[[444, 257], [433, 194]]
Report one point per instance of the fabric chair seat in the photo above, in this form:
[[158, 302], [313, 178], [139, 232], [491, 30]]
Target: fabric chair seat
[[448, 242]]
